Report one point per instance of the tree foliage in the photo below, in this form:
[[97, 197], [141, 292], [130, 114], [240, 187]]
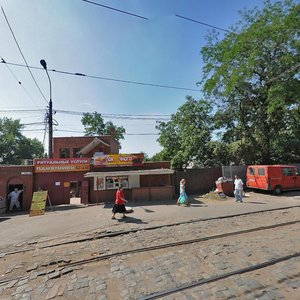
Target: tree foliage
[[94, 125], [14, 147], [184, 138], [253, 78]]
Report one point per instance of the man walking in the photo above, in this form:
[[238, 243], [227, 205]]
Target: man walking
[[14, 199], [238, 189]]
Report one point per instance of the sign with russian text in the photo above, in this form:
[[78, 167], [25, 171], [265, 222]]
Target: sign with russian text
[[38, 203], [62, 165], [113, 160]]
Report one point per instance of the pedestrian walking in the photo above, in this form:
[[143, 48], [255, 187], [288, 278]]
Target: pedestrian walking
[[183, 198], [14, 199], [238, 189], [119, 206]]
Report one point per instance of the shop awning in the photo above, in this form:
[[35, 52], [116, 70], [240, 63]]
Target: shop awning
[[133, 172]]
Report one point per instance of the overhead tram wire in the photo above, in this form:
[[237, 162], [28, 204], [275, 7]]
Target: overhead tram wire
[[102, 114], [19, 82], [78, 131], [22, 54], [112, 116], [205, 24], [115, 9], [120, 116], [107, 78]]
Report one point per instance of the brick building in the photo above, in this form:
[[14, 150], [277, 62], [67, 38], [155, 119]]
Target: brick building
[[20, 177], [88, 170], [86, 146]]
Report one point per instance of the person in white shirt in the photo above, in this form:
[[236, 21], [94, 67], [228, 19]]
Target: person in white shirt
[[14, 199], [238, 189]]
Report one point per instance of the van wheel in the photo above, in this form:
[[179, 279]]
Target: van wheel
[[277, 190]]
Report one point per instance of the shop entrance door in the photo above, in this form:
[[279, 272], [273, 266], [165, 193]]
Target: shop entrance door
[[85, 192], [75, 192], [11, 188]]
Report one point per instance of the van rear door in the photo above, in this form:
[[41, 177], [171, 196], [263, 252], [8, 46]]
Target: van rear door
[[298, 178], [289, 178], [261, 178]]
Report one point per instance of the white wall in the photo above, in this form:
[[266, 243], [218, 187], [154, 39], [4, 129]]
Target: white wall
[[134, 181]]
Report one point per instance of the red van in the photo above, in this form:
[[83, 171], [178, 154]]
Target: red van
[[276, 178]]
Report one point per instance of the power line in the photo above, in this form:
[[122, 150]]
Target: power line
[[106, 78], [22, 53], [117, 116], [102, 114], [21, 110], [115, 9], [77, 131], [34, 123], [19, 82], [205, 24]]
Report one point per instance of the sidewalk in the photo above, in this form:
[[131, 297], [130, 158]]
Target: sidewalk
[[74, 219]]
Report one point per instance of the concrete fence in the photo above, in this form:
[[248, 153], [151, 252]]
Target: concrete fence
[[230, 171], [198, 181]]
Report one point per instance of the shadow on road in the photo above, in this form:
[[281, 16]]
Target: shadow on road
[[283, 194], [131, 220], [3, 219]]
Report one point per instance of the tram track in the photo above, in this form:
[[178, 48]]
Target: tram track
[[218, 277], [69, 265], [125, 232]]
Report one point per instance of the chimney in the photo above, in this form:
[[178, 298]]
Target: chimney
[[113, 131]]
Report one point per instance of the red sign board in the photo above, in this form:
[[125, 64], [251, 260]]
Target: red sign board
[[114, 160], [61, 165]]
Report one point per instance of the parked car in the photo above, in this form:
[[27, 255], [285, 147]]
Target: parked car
[[276, 178]]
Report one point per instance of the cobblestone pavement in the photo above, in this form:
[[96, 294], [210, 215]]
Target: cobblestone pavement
[[133, 276]]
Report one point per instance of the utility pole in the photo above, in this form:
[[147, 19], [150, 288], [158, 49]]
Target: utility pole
[[50, 113]]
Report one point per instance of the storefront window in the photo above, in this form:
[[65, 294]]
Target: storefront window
[[64, 153], [76, 152], [115, 182], [99, 183]]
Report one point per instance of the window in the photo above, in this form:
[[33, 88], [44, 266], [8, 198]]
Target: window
[[261, 171], [251, 171], [287, 171], [99, 183], [76, 152], [64, 153], [115, 182]]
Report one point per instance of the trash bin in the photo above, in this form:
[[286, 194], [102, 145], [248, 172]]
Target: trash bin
[[225, 186]]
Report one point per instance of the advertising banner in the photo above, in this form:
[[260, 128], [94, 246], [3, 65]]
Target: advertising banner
[[114, 160], [62, 165], [38, 204]]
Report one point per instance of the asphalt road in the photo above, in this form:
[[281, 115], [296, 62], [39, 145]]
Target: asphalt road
[[36, 265], [19, 227]]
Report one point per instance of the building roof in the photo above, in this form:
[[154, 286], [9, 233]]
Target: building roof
[[92, 145], [132, 172]]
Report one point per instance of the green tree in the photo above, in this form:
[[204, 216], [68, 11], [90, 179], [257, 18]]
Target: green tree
[[184, 138], [14, 147], [252, 75], [157, 157], [94, 125]]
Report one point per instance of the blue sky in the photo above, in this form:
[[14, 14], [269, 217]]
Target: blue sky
[[75, 36]]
